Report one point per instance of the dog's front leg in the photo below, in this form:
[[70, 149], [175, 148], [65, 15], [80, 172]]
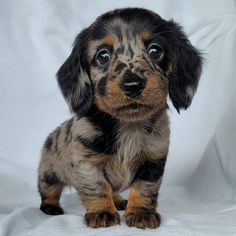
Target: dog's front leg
[[97, 198], [141, 208]]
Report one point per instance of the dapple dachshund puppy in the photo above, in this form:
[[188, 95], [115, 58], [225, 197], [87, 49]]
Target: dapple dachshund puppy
[[116, 82]]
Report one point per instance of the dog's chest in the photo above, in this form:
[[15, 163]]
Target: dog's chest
[[118, 175], [132, 144]]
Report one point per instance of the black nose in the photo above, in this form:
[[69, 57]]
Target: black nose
[[133, 85]]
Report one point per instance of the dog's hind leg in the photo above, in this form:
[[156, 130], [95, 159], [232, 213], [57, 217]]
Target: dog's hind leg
[[50, 188], [119, 202]]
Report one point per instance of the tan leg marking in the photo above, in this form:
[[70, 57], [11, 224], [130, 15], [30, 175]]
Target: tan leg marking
[[101, 211], [141, 211], [50, 200]]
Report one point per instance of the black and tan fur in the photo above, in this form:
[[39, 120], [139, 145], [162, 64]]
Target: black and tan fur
[[118, 137]]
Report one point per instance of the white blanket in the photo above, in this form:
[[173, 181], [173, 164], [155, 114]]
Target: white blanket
[[198, 195]]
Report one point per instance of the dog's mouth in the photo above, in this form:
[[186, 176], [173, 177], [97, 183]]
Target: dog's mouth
[[133, 110], [134, 106]]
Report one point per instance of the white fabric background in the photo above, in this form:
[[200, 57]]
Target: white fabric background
[[198, 195]]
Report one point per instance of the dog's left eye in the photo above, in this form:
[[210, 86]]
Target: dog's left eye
[[103, 57], [155, 52]]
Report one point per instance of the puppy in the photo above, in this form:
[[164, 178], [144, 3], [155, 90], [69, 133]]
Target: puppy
[[116, 82]]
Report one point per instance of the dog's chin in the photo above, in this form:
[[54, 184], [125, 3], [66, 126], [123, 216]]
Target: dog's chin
[[134, 112]]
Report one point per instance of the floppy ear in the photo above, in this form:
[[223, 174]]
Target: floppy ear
[[73, 77], [186, 69]]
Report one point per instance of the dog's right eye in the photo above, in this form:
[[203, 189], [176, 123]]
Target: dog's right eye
[[103, 57]]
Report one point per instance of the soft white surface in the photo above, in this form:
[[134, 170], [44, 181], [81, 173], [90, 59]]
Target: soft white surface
[[198, 195]]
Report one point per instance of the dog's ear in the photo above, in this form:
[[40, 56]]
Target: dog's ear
[[74, 79], [186, 69]]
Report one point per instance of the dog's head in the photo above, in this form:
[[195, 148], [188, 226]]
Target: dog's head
[[127, 62]]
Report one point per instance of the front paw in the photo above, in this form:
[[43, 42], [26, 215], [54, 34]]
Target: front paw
[[142, 218], [101, 219]]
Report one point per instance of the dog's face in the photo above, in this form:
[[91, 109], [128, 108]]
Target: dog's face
[[129, 81], [127, 62]]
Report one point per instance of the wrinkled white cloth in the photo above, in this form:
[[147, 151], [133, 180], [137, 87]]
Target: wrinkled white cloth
[[198, 194]]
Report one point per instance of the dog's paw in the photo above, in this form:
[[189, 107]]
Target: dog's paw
[[143, 218], [51, 209], [101, 219]]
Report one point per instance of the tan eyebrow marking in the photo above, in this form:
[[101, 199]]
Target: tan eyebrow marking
[[94, 44], [109, 40], [145, 36]]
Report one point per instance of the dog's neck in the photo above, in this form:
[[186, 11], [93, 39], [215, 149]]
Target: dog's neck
[[110, 123]]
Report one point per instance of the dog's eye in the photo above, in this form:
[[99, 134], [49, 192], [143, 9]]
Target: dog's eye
[[103, 57], [155, 52]]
